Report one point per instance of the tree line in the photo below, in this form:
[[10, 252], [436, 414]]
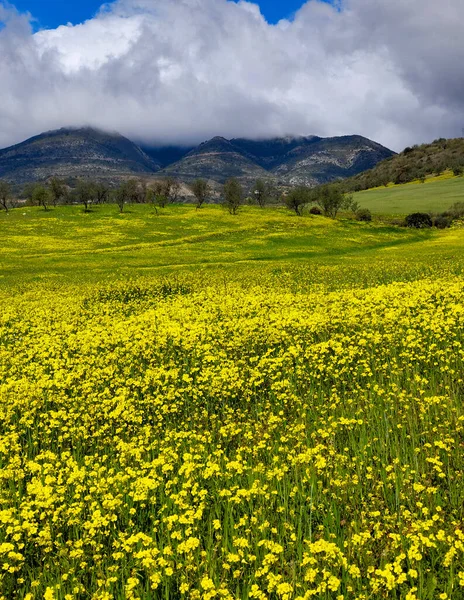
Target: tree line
[[328, 200]]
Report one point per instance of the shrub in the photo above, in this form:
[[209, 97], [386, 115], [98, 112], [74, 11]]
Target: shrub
[[363, 214], [458, 170], [419, 220], [442, 221], [315, 211]]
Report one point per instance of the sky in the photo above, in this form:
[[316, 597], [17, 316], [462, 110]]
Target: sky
[[182, 71], [52, 13]]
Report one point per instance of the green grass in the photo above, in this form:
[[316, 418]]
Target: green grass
[[65, 244], [436, 196]]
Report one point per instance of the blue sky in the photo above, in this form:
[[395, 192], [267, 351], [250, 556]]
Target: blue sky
[[51, 13]]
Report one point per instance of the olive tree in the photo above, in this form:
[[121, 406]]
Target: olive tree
[[233, 195], [297, 199], [85, 193], [201, 190], [57, 189], [41, 196], [332, 200]]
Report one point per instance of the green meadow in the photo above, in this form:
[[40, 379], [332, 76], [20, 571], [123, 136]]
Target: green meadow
[[65, 244], [435, 195]]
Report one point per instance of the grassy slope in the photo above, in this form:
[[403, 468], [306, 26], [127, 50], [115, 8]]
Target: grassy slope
[[66, 244], [436, 195]]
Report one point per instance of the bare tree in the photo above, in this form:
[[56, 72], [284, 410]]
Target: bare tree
[[5, 191], [122, 195], [102, 192], [201, 190]]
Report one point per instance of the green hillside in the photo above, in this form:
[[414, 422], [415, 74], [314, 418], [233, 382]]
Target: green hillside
[[418, 162], [435, 195]]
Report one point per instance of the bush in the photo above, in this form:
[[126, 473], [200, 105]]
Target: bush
[[458, 170], [442, 221], [419, 220], [315, 211], [363, 214]]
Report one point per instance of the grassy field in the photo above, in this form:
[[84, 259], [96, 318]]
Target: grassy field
[[435, 195], [201, 406]]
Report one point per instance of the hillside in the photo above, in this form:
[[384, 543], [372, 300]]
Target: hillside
[[70, 153], [413, 163], [435, 195]]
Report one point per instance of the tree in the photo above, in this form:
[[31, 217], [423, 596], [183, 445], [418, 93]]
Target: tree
[[201, 190], [332, 200], [233, 195], [419, 220], [122, 195], [41, 196], [297, 199], [159, 191], [172, 189], [5, 191], [102, 192], [261, 192], [85, 193], [57, 189]]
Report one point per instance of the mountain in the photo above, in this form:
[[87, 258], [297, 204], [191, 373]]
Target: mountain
[[70, 153], [413, 163], [287, 161], [218, 159]]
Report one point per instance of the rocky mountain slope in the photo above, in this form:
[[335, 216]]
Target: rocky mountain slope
[[71, 153], [287, 161]]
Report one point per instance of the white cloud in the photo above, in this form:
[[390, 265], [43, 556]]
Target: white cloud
[[185, 70]]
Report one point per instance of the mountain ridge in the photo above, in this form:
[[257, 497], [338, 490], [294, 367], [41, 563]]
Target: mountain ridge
[[88, 152]]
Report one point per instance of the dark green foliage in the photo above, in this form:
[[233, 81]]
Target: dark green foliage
[[419, 220], [363, 214], [442, 221], [297, 199], [331, 199], [315, 210], [233, 195]]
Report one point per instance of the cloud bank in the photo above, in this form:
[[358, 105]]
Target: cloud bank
[[182, 71]]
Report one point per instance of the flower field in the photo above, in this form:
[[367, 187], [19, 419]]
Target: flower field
[[279, 430]]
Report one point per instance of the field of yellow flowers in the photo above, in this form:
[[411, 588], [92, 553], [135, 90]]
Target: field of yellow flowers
[[284, 431]]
